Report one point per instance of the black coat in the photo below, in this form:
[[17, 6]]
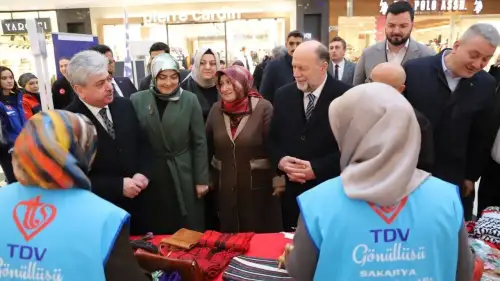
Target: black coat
[[62, 93], [460, 119], [126, 86], [129, 153], [277, 73], [311, 140]]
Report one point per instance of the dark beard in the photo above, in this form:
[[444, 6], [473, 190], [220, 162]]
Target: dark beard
[[397, 42]]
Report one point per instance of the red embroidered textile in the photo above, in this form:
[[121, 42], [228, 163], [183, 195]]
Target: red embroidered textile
[[214, 251]]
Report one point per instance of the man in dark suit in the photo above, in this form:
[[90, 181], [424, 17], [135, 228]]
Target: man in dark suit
[[120, 170], [62, 92], [454, 92], [279, 72], [122, 86], [340, 68], [302, 144], [394, 75]]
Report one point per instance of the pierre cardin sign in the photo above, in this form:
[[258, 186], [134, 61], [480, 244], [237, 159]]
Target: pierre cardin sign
[[18, 26]]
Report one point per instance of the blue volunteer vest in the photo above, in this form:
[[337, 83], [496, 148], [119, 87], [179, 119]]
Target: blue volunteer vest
[[15, 119], [56, 234], [415, 241]]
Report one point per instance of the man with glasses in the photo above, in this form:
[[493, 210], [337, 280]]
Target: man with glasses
[[122, 86]]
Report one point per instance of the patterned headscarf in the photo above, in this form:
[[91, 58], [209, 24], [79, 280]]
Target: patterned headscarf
[[55, 150], [241, 79], [242, 82]]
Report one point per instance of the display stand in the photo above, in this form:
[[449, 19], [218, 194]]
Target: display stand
[[39, 50], [66, 45]]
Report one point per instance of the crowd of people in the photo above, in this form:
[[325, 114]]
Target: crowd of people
[[353, 158]]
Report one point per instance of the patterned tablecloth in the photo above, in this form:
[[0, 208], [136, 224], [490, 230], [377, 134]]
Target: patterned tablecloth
[[491, 258]]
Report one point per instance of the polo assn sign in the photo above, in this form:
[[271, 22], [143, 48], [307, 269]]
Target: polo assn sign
[[18, 26], [429, 6]]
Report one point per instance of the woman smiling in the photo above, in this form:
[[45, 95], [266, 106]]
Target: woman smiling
[[173, 120], [242, 176]]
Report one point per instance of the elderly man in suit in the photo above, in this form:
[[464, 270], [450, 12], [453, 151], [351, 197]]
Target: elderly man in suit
[[458, 99], [340, 68], [398, 46], [120, 170], [122, 86], [301, 142]]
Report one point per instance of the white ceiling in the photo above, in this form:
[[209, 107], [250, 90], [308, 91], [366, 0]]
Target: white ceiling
[[13, 5]]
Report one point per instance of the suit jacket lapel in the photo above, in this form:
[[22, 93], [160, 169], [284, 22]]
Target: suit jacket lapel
[[83, 109], [321, 104], [242, 123], [347, 70], [412, 52], [154, 118]]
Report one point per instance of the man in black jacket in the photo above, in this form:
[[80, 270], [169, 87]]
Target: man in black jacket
[[120, 170], [279, 72], [156, 49], [302, 144], [456, 95], [394, 75], [62, 92]]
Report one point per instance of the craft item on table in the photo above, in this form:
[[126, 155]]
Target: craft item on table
[[469, 226], [145, 245], [490, 257], [187, 269], [488, 226], [243, 268], [214, 251], [288, 235], [161, 275], [183, 239], [238, 242]]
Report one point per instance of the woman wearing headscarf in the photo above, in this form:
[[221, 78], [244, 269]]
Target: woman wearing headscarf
[[242, 177], [52, 224], [202, 79], [382, 217], [172, 118], [201, 82], [12, 119], [31, 97]]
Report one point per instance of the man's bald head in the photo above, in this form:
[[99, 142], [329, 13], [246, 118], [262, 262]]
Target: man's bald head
[[310, 65], [391, 74]]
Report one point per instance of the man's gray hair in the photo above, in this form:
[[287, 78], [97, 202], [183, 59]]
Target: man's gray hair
[[279, 51], [86, 64], [486, 30]]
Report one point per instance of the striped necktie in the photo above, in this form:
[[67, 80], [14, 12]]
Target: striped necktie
[[310, 105]]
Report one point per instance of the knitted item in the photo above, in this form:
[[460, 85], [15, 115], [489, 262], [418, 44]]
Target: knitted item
[[244, 268], [488, 226]]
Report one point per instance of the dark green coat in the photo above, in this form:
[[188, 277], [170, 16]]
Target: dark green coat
[[180, 158]]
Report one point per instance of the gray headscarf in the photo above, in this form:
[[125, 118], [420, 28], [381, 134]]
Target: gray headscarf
[[196, 73], [25, 78], [160, 63]]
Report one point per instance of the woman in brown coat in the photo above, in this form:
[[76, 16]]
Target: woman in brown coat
[[243, 180]]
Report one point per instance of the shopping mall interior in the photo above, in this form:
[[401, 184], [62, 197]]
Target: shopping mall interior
[[437, 31]]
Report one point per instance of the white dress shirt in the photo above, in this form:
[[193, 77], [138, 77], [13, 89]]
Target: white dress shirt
[[397, 57], [115, 85], [452, 80], [316, 92], [95, 111], [341, 65]]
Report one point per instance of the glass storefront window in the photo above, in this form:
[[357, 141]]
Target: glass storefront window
[[257, 36], [185, 39], [15, 50]]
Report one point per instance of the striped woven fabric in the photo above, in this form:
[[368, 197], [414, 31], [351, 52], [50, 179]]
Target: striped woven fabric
[[245, 268]]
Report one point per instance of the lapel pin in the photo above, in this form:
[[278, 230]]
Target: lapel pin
[[150, 110]]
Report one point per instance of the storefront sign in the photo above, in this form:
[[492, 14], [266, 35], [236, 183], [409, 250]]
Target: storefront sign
[[18, 26], [203, 16], [430, 6]]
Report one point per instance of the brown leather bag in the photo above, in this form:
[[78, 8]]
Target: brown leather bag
[[183, 239], [189, 270]]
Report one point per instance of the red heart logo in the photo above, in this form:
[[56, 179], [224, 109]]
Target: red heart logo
[[389, 213], [35, 215]]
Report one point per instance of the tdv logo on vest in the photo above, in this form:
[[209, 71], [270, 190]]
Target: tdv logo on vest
[[374, 256], [31, 217]]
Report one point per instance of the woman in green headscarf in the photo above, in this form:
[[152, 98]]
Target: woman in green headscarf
[[173, 119]]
